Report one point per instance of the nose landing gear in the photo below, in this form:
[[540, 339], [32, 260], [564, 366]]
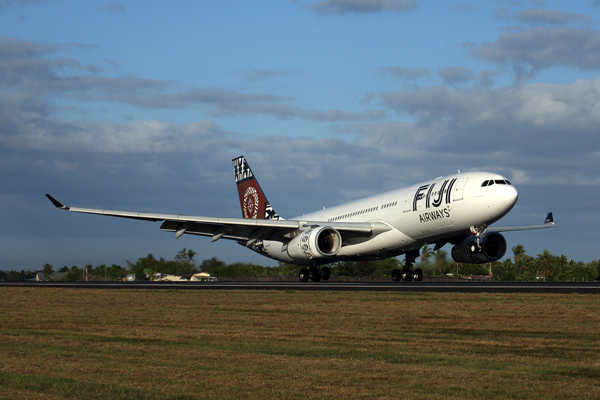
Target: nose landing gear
[[477, 231]]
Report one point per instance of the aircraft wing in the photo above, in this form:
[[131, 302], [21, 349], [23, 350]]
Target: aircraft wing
[[548, 223], [250, 230]]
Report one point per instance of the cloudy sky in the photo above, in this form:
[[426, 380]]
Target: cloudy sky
[[141, 106]]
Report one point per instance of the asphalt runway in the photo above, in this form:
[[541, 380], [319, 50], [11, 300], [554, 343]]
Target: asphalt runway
[[457, 287]]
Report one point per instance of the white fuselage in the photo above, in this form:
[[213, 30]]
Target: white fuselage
[[424, 213]]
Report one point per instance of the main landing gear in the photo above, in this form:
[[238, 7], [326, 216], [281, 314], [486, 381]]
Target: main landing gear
[[314, 274], [408, 274]]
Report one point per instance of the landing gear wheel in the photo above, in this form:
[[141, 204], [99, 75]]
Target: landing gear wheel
[[303, 275], [407, 272], [417, 275], [396, 275], [314, 274], [325, 273]]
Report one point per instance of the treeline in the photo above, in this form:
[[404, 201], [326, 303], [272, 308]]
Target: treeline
[[351, 269], [545, 266], [521, 267], [142, 268], [148, 266]]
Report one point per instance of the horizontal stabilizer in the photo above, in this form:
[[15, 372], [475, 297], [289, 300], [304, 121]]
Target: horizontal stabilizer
[[548, 223]]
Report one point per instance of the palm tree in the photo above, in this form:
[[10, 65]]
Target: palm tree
[[190, 255], [525, 264], [562, 262], [545, 263], [518, 251], [48, 271], [440, 260], [426, 252], [506, 270]]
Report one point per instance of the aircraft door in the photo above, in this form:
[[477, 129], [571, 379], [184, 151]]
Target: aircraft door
[[408, 201], [458, 189]]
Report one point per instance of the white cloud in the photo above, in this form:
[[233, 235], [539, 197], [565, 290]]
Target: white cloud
[[118, 8], [105, 137], [223, 102], [407, 74], [362, 6], [532, 50], [260, 74], [543, 129], [573, 107], [456, 75], [27, 72], [538, 16], [10, 3]]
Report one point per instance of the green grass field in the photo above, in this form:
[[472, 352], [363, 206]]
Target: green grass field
[[147, 344]]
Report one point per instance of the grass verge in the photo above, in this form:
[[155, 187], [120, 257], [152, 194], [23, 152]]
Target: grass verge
[[97, 344]]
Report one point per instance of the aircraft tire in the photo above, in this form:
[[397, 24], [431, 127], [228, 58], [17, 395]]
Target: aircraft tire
[[396, 275], [407, 275], [303, 275], [325, 273], [417, 275], [314, 274]]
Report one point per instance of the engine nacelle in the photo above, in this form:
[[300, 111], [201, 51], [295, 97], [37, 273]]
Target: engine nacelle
[[493, 247], [319, 242]]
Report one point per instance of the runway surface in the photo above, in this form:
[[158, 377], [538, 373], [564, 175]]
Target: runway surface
[[458, 287]]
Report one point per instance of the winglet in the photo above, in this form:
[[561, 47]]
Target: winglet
[[549, 219], [57, 203]]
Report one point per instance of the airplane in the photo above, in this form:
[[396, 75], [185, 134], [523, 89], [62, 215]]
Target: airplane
[[457, 209]]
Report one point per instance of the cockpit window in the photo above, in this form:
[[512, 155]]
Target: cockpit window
[[496, 181]]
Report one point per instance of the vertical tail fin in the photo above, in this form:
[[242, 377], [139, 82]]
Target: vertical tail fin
[[252, 199]]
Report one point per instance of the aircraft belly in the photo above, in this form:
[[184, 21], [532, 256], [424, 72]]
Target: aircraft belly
[[390, 240]]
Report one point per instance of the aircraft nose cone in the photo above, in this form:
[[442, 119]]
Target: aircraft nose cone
[[503, 200], [510, 195]]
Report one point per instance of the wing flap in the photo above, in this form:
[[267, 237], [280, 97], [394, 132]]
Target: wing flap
[[220, 231]]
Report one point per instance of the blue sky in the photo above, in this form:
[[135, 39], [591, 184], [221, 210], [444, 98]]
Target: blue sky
[[141, 105]]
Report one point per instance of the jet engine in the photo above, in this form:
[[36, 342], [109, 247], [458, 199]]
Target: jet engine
[[492, 247], [319, 242]]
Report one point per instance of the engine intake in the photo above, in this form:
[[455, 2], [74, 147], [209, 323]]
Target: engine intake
[[319, 242], [492, 248]]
